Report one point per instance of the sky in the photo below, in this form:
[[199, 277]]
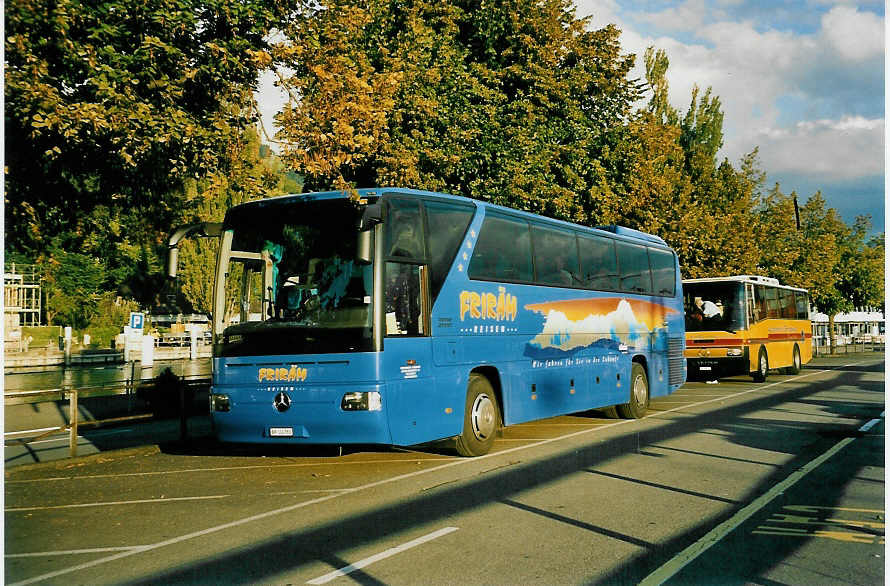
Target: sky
[[800, 80]]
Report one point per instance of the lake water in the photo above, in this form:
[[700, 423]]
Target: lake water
[[55, 377]]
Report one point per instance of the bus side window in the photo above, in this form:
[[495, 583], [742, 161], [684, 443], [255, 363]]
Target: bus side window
[[803, 305], [503, 251], [447, 223], [786, 301], [771, 294], [633, 262], [405, 230], [402, 301], [599, 264], [663, 274], [556, 257], [760, 311]]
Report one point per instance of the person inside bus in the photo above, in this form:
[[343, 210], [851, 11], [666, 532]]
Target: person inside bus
[[405, 243], [709, 309], [561, 274]]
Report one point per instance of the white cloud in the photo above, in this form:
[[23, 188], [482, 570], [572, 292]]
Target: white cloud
[[846, 148], [688, 16], [810, 102], [854, 35]]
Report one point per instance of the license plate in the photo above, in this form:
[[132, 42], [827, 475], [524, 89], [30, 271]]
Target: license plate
[[281, 432], [704, 368]]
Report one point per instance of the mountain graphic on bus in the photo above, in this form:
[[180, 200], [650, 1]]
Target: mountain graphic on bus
[[568, 327]]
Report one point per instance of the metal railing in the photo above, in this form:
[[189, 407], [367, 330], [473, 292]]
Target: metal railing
[[820, 349], [187, 386]]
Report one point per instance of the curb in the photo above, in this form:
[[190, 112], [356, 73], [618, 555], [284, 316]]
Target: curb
[[65, 463]]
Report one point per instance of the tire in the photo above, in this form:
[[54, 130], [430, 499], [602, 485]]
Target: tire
[[610, 412], [795, 362], [762, 371], [639, 394], [482, 418]]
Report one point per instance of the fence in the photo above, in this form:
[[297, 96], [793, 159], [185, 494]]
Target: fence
[[183, 388], [821, 346]]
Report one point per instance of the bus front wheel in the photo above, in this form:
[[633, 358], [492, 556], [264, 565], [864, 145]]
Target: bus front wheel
[[759, 375], [639, 394], [482, 418]]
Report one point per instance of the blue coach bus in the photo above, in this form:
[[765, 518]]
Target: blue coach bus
[[401, 317]]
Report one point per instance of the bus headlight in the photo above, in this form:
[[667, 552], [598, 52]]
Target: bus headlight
[[362, 401], [734, 352], [219, 403]]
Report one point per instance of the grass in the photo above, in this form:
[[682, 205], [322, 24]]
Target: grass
[[42, 336]]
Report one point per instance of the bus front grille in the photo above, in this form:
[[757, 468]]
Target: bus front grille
[[676, 361]]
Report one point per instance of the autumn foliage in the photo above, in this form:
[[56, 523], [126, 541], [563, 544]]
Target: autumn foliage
[[123, 118]]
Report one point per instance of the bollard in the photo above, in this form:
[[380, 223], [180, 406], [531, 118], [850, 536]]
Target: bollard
[[72, 422], [67, 346], [193, 344], [148, 351]]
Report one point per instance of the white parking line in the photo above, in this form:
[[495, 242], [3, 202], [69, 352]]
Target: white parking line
[[230, 468], [447, 464], [31, 431], [75, 551], [381, 556], [115, 503], [713, 537]]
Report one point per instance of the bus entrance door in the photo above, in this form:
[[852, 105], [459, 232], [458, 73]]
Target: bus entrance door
[[417, 411]]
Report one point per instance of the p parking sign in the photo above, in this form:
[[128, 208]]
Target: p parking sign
[[137, 320]]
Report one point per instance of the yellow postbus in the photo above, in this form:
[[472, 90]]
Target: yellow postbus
[[745, 325]]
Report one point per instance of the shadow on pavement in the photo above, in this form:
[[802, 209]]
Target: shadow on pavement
[[287, 552]]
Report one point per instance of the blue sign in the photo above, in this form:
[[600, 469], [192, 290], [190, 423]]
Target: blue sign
[[137, 320]]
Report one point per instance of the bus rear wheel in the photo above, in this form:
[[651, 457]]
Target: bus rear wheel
[[482, 418], [759, 375], [639, 394], [795, 362]]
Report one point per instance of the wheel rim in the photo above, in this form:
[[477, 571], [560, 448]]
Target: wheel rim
[[640, 390], [482, 417], [797, 360], [763, 366]]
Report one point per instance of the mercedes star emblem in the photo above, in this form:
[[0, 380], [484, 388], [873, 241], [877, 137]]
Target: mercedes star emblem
[[282, 402]]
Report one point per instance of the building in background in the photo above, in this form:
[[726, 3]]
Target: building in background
[[22, 304], [864, 325]]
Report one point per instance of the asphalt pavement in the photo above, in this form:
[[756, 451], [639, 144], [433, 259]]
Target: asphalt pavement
[[727, 483]]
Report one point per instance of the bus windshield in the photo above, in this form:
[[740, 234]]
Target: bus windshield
[[293, 284], [714, 306]]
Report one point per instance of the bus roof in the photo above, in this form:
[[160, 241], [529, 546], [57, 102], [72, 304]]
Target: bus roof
[[379, 191], [755, 279]]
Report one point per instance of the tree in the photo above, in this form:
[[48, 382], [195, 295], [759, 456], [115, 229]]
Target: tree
[[73, 284], [661, 176], [507, 102], [254, 173], [110, 105], [781, 243], [657, 63], [861, 274]]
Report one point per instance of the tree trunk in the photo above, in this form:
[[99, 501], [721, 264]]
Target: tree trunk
[[831, 336]]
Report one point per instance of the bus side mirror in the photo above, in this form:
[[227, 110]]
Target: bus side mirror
[[203, 230], [372, 216], [172, 261], [363, 251]]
